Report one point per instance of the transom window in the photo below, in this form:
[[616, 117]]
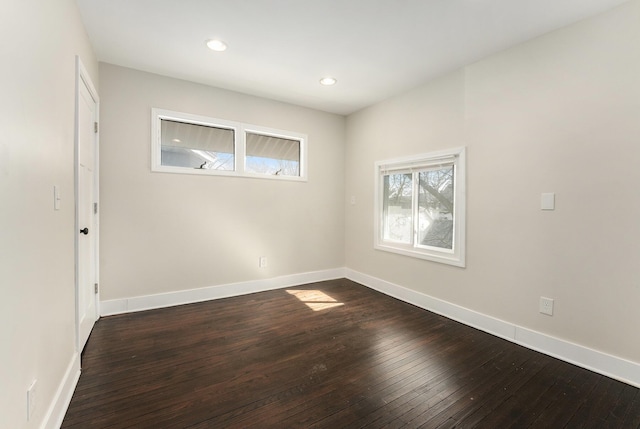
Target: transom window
[[420, 206], [272, 155], [191, 144]]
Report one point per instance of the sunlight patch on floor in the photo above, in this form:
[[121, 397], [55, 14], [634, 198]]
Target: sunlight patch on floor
[[315, 299]]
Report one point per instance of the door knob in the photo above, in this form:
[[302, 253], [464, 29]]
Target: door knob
[[84, 231]]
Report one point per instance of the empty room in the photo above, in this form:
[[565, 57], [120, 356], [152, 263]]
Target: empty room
[[285, 213]]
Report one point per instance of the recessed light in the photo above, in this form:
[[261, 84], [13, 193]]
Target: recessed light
[[328, 81], [216, 45], [176, 141]]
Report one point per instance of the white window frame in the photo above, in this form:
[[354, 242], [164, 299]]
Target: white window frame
[[455, 156], [240, 129]]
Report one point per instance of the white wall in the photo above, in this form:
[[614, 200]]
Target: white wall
[[39, 40], [163, 232], [558, 114]]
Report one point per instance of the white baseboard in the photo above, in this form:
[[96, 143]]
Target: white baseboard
[[602, 363], [169, 299], [593, 360], [58, 407]]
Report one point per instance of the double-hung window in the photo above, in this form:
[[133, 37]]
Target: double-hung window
[[191, 144], [420, 206]]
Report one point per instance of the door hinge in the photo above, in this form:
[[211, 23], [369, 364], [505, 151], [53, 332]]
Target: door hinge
[[95, 127], [95, 208], [95, 288]]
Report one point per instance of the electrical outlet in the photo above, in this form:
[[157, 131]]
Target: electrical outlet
[[262, 262], [31, 399], [546, 306]]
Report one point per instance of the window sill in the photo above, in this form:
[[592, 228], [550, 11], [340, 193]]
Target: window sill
[[434, 256], [229, 173]]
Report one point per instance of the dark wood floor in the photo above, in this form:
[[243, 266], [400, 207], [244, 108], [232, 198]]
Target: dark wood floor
[[268, 360]]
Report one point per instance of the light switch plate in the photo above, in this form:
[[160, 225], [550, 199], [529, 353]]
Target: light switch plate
[[548, 201], [56, 197]]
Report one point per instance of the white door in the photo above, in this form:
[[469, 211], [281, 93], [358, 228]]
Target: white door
[[86, 206]]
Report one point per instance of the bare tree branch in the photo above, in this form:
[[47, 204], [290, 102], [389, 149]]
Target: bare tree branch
[[437, 195]]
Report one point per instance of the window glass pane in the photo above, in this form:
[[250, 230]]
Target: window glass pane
[[435, 208], [272, 155], [196, 146], [397, 211]]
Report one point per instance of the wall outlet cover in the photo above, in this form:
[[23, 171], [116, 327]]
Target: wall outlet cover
[[546, 306]]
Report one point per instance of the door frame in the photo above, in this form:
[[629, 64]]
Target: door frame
[[83, 78]]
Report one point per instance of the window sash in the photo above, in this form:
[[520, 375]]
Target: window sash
[[196, 146], [420, 165], [439, 227], [413, 219], [404, 229], [197, 136], [266, 146], [211, 139], [438, 230], [266, 154]]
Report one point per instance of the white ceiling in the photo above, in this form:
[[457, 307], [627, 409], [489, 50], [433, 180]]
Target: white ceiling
[[279, 49]]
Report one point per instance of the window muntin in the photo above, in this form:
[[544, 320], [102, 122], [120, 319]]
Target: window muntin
[[191, 144], [420, 206]]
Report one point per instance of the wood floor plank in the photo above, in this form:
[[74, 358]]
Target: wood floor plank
[[519, 401], [268, 360], [462, 394], [493, 403], [458, 367], [626, 412], [478, 400], [433, 375], [568, 400]]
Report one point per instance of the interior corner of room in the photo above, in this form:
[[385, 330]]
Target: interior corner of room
[[550, 128]]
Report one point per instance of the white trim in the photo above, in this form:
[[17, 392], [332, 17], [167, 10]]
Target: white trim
[[83, 77], [239, 129], [289, 135], [169, 299], [585, 357], [593, 360], [62, 398], [412, 164]]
